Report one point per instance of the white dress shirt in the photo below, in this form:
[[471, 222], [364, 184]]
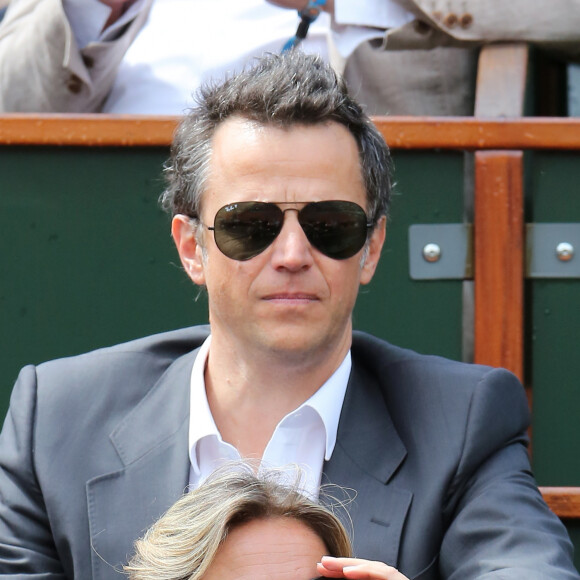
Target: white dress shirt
[[301, 442], [187, 42]]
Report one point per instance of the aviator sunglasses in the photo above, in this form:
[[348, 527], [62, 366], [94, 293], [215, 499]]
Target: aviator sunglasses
[[338, 229]]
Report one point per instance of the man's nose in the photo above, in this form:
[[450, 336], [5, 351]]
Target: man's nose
[[291, 249]]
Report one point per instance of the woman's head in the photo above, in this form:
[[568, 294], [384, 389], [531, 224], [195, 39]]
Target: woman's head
[[239, 525]]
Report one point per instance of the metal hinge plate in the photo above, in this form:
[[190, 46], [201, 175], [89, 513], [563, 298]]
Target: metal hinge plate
[[445, 251]]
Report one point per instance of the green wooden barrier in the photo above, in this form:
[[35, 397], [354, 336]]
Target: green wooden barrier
[[553, 328]]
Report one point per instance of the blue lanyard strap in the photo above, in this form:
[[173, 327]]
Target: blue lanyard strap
[[307, 16]]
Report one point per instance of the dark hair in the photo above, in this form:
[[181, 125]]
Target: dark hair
[[281, 91]]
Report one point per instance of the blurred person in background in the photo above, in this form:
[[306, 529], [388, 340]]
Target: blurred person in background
[[149, 56]]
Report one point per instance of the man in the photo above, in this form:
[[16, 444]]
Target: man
[[278, 185]]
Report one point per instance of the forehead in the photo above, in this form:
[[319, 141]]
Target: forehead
[[250, 161], [268, 549]]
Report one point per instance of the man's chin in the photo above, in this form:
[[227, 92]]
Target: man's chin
[[296, 345]]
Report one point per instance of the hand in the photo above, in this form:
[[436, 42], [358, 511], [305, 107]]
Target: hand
[[356, 568], [300, 4]]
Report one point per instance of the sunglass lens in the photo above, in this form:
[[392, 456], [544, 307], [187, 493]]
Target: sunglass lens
[[244, 230], [338, 229]]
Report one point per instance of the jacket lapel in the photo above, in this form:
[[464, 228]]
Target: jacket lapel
[[367, 454], [152, 443]]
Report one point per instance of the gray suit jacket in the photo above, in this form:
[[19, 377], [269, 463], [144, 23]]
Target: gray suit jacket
[[42, 69], [94, 449]]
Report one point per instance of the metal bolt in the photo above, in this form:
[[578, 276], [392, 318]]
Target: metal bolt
[[565, 251], [432, 252]]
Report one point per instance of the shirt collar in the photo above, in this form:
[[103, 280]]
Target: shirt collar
[[326, 402], [201, 423]]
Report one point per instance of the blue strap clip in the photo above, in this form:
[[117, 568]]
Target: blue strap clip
[[307, 16]]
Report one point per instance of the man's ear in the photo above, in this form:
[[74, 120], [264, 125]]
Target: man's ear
[[375, 245], [190, 251]]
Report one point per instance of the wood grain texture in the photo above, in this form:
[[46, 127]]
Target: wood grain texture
[[499, 260], [87, 130], [456, 133], [563, 501], [502, 71]]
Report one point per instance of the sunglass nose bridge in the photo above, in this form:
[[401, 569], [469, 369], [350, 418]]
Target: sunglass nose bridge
[[296, 209], [297, 223], [284, 210], [291, 209]]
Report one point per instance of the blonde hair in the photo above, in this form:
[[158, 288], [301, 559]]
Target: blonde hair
[[182, 544]]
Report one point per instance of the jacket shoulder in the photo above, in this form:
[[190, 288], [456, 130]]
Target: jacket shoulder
[[117, 376], [431, 388], [166, 346], [403, 374], [375, 352]]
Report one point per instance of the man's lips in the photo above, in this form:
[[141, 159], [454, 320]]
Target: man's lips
[[291, 297]]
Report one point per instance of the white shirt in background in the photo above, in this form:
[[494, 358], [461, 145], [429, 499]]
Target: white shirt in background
[[187, 42]]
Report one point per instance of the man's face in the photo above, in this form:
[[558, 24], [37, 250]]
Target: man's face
[[291, 298]]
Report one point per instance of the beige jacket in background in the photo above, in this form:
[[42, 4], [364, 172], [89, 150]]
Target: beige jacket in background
[[41, 67]]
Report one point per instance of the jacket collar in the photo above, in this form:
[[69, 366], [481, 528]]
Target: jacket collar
[[366, 457]]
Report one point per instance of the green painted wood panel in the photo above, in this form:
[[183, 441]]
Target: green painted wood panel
[[553, 348], [87, 259], [423, 315], [553, 333]]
